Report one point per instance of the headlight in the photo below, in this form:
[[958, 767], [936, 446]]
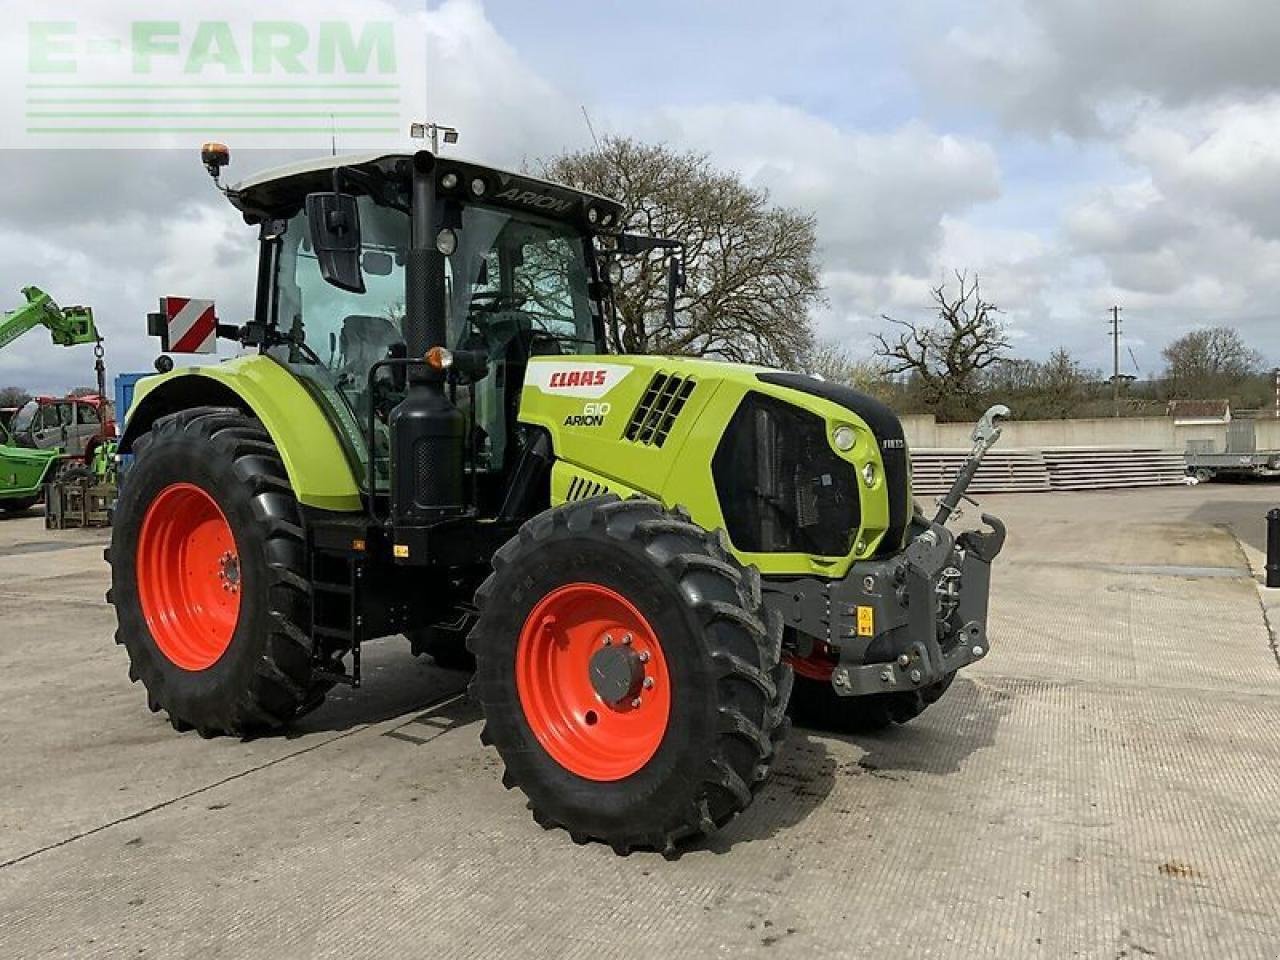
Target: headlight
[[869, 474], [844, 438], [478, 187], [446, 242], [593, 214]]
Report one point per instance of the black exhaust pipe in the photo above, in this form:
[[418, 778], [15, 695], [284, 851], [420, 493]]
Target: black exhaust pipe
[[427, 430]]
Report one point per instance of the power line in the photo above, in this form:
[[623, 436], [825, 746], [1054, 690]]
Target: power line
[[590, 128]]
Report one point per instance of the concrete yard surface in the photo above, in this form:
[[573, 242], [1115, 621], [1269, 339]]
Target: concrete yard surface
[[1105, 784]]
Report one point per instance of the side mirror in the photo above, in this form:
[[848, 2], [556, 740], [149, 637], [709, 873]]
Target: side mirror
[[334, 223]]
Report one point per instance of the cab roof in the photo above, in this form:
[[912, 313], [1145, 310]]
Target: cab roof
[[280, 191]]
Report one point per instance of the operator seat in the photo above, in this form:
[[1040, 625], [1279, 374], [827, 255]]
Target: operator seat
[[364, 341]]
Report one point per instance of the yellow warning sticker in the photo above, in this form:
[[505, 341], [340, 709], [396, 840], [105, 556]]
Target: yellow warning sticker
[[401, 550], [866, 621]]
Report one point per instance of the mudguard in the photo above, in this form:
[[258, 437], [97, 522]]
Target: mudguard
[[319, 470]]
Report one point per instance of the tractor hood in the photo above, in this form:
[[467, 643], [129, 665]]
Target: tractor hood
[[744, 448]]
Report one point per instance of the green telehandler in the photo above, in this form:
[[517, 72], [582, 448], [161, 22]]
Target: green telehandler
[[640, 556], [26, 468]]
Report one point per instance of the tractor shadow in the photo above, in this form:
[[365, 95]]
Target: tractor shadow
[[394, 684], [936, 744], [939, 741], [800, 782]]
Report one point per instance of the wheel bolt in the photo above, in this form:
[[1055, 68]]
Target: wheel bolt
[[608, 640], [635, 702], [903, 660], [648, 683], [627, 639], [644, 656]]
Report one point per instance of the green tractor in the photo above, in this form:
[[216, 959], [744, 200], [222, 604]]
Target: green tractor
[[27, 465], [635, 554]]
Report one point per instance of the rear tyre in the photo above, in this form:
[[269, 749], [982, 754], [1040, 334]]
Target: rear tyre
[[817, 706], [18, 506], [208, 576], [627, 676]]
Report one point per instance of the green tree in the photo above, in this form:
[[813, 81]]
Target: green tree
[[751, 267], [13, 396], [1209, 364]]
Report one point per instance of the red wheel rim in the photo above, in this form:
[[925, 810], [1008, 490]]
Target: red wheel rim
[[567, 635], [188, 576]]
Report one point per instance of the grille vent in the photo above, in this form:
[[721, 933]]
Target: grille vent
[[580, 488], [656, 413]]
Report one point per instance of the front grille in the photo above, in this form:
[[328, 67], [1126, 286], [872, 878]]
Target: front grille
[[657, 410], [782, 489]]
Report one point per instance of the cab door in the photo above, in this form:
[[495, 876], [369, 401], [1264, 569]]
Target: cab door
[[53, 424]]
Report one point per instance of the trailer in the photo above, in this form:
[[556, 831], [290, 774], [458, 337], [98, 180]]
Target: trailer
[[1241, 458], [1259, 463]]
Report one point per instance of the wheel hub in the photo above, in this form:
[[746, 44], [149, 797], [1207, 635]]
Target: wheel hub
[[617, 674], [229, 572]]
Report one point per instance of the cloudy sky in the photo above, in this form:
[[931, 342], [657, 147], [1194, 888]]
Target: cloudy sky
[[1075, 153]]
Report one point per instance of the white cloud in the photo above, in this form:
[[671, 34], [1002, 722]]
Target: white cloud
[[1077, 65], [881, 197]]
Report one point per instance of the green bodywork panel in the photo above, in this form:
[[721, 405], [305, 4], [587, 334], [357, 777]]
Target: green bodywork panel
[[318, 466], [587, 423], [23, 471]]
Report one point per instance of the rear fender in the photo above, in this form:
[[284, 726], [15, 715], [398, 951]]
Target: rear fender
[[319, 472]]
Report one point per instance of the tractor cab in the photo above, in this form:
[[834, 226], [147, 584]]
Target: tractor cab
[[71, 423], [508, 268]]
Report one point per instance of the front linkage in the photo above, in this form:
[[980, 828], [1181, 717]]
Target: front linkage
[[910, 621]]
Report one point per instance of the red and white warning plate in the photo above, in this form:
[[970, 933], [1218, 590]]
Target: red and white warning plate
[[192, 325]]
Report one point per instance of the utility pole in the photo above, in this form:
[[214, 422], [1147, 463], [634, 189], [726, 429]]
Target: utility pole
[[1115, 344]]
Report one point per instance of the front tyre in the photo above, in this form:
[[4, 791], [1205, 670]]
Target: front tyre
[[208, 576], [626, 673]]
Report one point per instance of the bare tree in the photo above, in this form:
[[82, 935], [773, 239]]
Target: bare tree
[[831, 361], [1053, 389], [1209, 363], [945, 358], [751, 267]]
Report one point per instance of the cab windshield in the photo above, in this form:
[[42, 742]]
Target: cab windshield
[[515, 287], [25, 417]]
